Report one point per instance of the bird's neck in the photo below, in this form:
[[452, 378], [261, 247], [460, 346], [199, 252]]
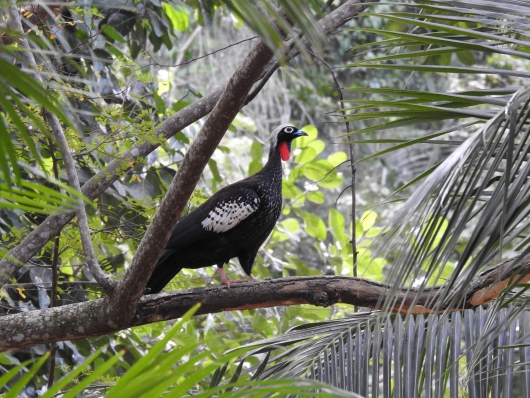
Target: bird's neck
[[275, 160], [274, 164]]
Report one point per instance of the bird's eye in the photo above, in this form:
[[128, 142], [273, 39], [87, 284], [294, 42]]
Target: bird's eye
[[288, 129]]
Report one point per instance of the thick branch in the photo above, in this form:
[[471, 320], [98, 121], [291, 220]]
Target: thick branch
[[104, 316], [76, 321]]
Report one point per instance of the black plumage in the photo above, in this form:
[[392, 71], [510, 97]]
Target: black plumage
[[232, 223]]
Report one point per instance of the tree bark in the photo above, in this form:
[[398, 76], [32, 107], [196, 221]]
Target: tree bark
[[82, 320]]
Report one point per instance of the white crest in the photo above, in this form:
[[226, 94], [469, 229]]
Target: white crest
[[227, 214], [274, 134]]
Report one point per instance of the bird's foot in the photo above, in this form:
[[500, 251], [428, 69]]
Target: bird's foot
[[227, 282]]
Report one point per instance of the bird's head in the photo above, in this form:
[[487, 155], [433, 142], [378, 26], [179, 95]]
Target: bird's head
[[282, 137]]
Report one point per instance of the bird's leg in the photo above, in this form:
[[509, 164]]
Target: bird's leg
[[227, 282]]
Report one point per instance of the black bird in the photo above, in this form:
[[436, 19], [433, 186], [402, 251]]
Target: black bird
[[232, 223]]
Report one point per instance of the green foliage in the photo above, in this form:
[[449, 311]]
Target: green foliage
[[114, 85], [175, 366], [177, 16], [25, 122]]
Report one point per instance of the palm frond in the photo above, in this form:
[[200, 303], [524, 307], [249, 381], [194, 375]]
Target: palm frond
[[380, 355], [470, 211], [481, 188], [290, 19]]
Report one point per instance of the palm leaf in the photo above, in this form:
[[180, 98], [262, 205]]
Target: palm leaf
[[456, 190], [393, 355]]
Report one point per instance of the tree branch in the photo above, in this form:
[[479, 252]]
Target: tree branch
[[57, 130], [116, 311], [82, 222], [103, 180], [82, 320]]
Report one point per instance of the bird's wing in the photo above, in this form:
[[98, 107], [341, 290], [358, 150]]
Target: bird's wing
[[222, 212], [232, 207]]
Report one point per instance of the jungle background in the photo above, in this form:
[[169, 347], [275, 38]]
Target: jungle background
[[423, 103]]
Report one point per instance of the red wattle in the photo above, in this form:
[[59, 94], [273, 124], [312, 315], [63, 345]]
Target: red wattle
[[284, 151]]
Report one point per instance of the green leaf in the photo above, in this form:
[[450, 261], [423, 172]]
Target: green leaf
[[97, 373], [256, 151], [306, 155], [12, 373], [317, 169], [312, 134], [66, 379], [317, 145], [337, 158], [112, 33], [254, 167], [368, 219], [291, 224], [146, 362], [159, 102], [26, 377], [6, 359], [316, 197], [212, 164], [444, 69], [336, 222], [295, 174], [178, 19], [373, 232], [177, 106], [290, 191], [315, 227], [333, 180], [261, 325], [371, 268]]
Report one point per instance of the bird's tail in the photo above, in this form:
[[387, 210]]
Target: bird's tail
[[166, 268]]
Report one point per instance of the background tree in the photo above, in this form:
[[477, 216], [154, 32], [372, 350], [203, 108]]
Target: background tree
[[107, 64]]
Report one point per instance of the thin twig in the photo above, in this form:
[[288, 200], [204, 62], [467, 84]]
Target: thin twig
[[82, 222], [55, 276], [55, 260], [57, 130], [262, 82], [195, 59]]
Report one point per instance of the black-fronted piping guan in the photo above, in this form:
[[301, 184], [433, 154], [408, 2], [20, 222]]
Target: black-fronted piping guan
[[234, 222]]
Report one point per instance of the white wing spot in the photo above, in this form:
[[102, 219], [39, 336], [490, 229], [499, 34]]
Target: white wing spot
[[226, 215]]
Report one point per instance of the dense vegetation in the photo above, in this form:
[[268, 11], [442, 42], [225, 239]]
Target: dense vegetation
[[415, 170]]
